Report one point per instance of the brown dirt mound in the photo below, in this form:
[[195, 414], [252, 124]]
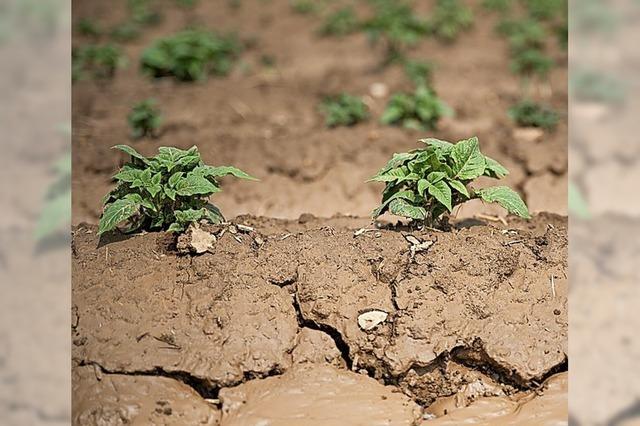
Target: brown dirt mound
[[482, 305]]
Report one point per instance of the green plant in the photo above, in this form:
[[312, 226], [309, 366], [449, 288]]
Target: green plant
[[57, 208], [341, 22], [528, 113], [593, 86], [144, 118], [344, 110], [168, 191], [88, 27], [419, 72], [426, 183], [450, 17], [578, 205], [191, 55], [186, 3], [502, 6], [143, 13], [126, 31], [546, 9], [99, 61], [523, 34], [530, 62], [420, 111], [397, 25], [304, 7]]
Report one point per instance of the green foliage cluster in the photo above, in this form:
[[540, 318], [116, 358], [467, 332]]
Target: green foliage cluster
[[304, 7], [450, 18], [126, 31], [344, 110], [502, 6], [419, 72], [89, 28], [528, 113], [594, 86], [420, 110], [426, 183], [57, 208], [341, 22], [144, 118], [527, 39], [143, 13], [395, 23], [97, 61], [191, 55], [531, 62], [545, 10], [168, 191]]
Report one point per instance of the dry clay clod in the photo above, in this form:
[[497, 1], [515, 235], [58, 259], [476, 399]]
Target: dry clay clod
[[201, 241], [370, 320]]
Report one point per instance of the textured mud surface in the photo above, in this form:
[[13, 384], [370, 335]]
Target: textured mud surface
[[258, 114], [482, 312]]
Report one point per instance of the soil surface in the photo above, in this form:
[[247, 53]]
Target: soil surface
[[273, 315], [265, 119]]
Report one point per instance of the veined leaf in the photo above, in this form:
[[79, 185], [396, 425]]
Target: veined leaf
[[390, 175], [441, 145], [214, 214], [422, 185], [441, 192], [132, 152], [468, 162], [128, 173], [459, 186], [408, 195], [210, 171], [507, 198], [175, 178], [402, 207], [494, 169], [434, 177], [195, 184], [137, 198], [190, 215], [115, 213]]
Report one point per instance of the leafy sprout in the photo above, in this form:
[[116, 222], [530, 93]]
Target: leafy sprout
[[531, 114], [419, 72], [304, 7], [344, 110], [88, 27], [144, 118], [546, 10], [420, 110], [502, 6], [167, 192], [523, 34], [341, 22], [427, 183], [191, 55], [56, 212], [530, 62], [126, 31], [98, 61], [450, 17], [143, 13]]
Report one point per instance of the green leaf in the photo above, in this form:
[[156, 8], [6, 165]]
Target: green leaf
[[132, 152], [494, 169], [468, 162], [402, 207], [459, 186], [128, 173], [210, 171], [214, 214], [577, 203], [190, 215], [441, 191], [422, 185], [507, 198], [434, 177], [408, 195], [175, 227], [441, 145], [175, 178], [55, 213], [117, 212], [390, 175], [195, 184], [170, 192]]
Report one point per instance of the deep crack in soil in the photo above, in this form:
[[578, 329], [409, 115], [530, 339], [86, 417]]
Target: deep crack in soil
[[474, 311]]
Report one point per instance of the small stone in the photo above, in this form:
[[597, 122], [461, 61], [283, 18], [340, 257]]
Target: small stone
[[370, 320], [201, 241], [379, 90]]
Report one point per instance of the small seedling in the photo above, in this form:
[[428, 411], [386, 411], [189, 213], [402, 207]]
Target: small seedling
[[168, 191], [530, 62], [502, 6], [344, 110], [450, 18], [523, 34], [528, 113], [89, 28], [545, 10], [142, 12], [56, 212], [144, 119], [341, 22], [191, 55], [397, 25], [126, 31], [187, 3], [593, 86], [304, 7], [98, 61], [419, 111], [427, 183], [419, 72]]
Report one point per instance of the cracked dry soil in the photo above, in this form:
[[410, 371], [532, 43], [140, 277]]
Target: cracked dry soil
[[263, 328]]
